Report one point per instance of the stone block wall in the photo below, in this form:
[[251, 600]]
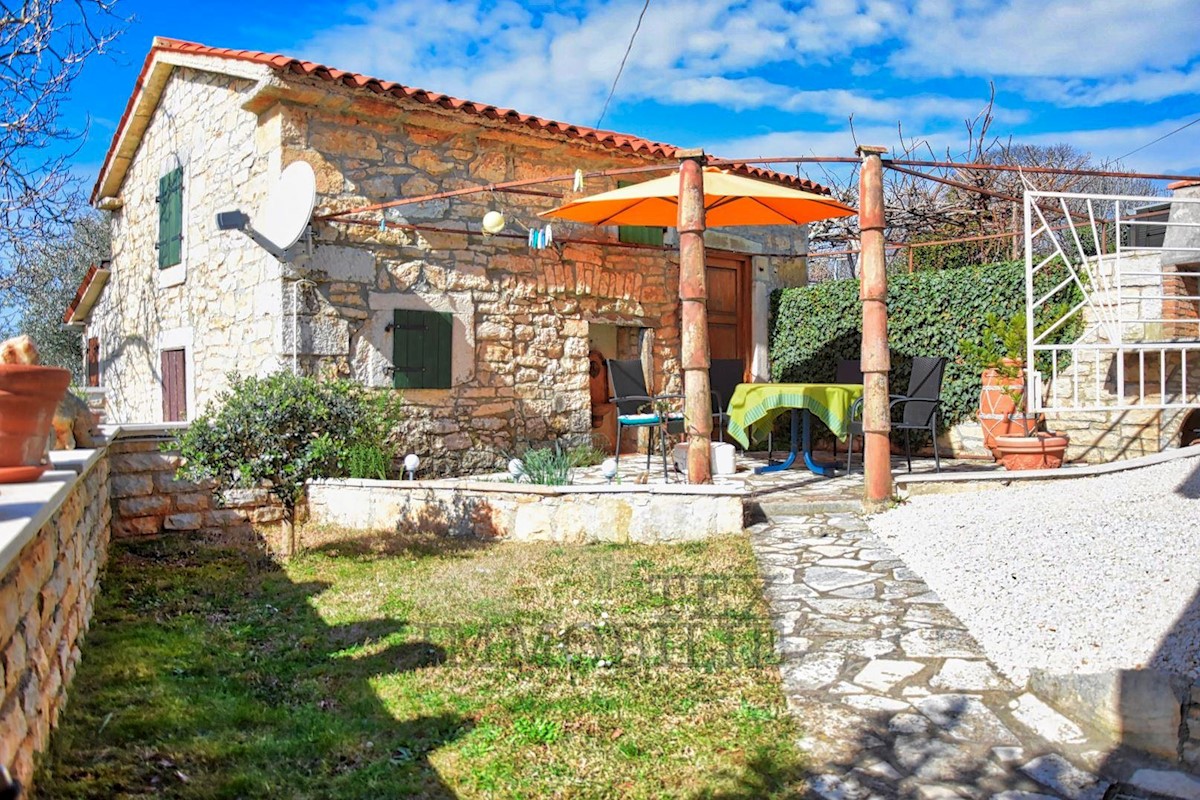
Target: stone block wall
[[46, 596], [222, 304], [148, 500]]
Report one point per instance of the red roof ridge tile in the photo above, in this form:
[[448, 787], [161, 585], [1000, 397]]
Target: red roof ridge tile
[[604, 138]]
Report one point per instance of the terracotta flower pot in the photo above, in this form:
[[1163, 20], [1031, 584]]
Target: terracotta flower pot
[[997, 403], [1040, 451], [29, 396]]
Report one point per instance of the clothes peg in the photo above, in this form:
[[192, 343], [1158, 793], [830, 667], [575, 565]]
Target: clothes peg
[[578, 183]]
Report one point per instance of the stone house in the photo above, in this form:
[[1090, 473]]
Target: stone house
[[515, 331]]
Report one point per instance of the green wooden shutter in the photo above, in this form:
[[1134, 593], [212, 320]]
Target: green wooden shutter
[[421, 349], [638, 234], [170, 218]]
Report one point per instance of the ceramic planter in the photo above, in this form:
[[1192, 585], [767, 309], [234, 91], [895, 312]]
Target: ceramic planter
[[997, 403], [1039, 451], [29, 396]]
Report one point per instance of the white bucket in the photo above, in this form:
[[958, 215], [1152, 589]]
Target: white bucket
[[724, 459]]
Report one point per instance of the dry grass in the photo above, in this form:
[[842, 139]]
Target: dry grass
[[413, 666]]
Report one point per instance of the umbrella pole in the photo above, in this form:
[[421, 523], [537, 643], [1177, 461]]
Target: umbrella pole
[[877, 423], [693, 296]]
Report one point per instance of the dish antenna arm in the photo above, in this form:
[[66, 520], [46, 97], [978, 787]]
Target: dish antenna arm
[[237, 220]]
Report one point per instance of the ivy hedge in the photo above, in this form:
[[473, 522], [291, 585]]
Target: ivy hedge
[[929, 314]]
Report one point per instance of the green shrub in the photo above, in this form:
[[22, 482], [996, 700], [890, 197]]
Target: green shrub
[[550, 466], [282, 430], [929, 314]]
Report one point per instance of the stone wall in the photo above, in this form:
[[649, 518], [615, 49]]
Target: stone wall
[[222, 305], [47, 588], [148, 500], [523, 512]]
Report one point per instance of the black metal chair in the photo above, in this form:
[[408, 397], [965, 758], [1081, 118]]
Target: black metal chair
[[849, 370], [637, 408], [724, 375], [921, 406]]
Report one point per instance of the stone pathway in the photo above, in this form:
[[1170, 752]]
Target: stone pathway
[[895, 696]]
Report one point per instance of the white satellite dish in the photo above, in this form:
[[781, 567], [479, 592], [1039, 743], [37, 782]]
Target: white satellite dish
[[289, 206]]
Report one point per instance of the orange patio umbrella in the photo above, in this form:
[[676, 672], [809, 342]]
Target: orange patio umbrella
[[729, 200]]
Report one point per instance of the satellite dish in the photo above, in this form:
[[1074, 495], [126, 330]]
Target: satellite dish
[[289, 206]]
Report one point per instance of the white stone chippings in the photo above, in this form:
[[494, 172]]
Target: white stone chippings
[[1079, 575]]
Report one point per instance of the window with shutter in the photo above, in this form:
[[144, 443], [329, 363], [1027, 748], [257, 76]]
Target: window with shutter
[[170, 218], [638, 234], [421, 349]]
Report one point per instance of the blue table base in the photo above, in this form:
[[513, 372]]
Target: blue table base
[[805, 447]]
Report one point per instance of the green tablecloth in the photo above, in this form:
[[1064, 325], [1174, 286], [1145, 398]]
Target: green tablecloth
[[754, 406]]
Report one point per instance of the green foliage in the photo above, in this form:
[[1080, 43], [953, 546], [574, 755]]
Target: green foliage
[[368, 461], [1002, 340], [930, 313], [549, 466], [34, 298], [283, 430]]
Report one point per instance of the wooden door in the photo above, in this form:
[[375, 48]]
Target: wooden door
[[93, 361], [729, 307], [174, 386]]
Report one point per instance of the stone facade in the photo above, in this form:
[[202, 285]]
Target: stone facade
[[46, 596], [524, 319], [222, 304]]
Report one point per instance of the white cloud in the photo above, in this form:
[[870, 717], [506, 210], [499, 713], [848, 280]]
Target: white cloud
[[1035, 38], [1147, 87]]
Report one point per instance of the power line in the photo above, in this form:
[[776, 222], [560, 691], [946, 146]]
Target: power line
[[624, 58], [1159, 139]]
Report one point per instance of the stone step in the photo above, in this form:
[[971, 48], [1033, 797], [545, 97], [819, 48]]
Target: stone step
[[782, 510]]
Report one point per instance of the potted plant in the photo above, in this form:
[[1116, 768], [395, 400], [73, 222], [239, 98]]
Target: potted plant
[[1012, 434], [1000, 356], [29, 394]]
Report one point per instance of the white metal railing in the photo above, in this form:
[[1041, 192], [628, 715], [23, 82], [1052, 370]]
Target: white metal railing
[[1140, 340]]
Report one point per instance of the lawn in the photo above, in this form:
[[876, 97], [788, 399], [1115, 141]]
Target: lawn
[[410, 666]]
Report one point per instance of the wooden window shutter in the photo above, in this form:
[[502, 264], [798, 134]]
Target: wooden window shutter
[[421, 349], [93, 361], [638, 234], [174, 386], [170, 218]]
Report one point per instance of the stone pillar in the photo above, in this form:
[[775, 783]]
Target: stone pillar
[[693, 296], [877, 424]]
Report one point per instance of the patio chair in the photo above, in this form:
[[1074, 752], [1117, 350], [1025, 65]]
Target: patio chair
[[849, 370], [920, 406], [637, 408], [724, 375]]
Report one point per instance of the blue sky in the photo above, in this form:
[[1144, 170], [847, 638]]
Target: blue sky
[[739, 79]]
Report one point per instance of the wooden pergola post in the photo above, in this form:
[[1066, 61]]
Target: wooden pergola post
[[877, 422], [693, 297]]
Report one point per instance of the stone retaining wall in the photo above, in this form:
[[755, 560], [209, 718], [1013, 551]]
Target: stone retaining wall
[[149, 500], [521, 512], [47, 587]]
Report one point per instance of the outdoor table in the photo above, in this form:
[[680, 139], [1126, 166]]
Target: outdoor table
[[754, 407]]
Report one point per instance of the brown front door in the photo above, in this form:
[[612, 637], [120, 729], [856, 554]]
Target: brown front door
[[93, 361], [729, 307], [174, 386]]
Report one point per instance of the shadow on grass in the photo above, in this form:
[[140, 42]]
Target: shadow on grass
[[208, 673], [337, 542]]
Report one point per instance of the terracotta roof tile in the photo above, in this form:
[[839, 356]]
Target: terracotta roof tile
[[609, 139]]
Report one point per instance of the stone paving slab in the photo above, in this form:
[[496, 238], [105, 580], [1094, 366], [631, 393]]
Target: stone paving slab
[[894, 695]]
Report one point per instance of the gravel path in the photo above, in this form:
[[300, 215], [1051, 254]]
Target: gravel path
[[1082, 575]]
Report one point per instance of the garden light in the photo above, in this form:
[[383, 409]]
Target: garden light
[[516, 468], [609, 469], [411, 464]]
